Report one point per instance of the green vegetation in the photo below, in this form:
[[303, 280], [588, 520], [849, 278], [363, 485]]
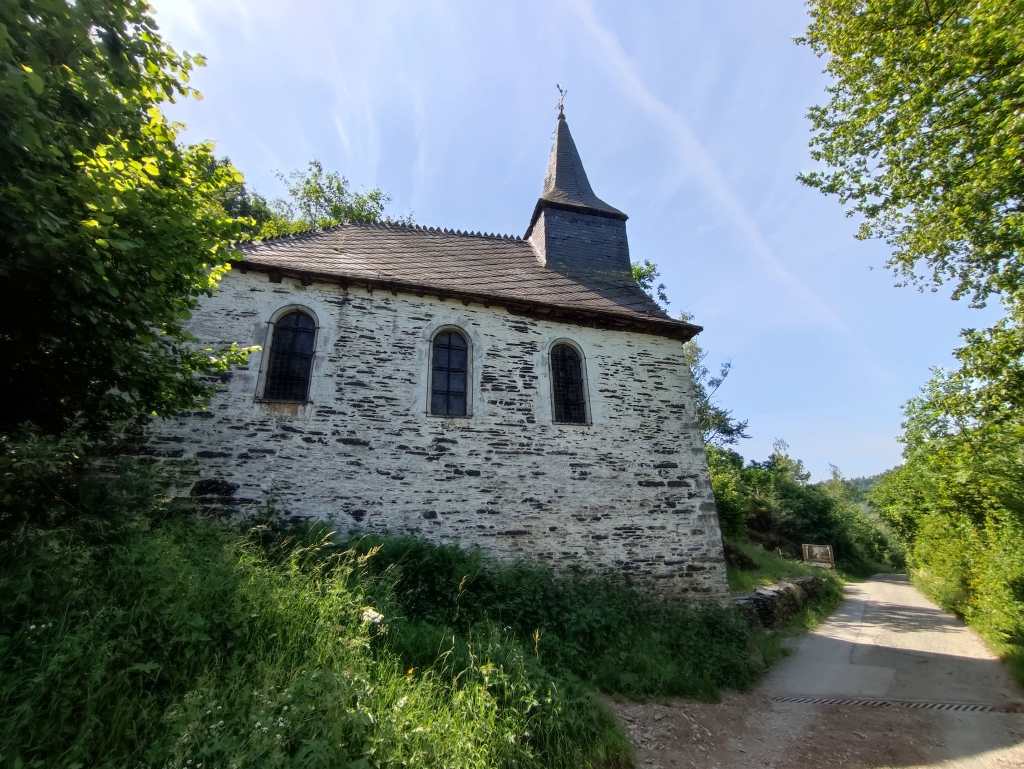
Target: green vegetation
[[772, 504], [922, 138], [817, 611], [136, 633], [957, 500], [598, 630], [749, 565], [645, 273], [316, 199], [718, 426], [110, 230], [922, 133]]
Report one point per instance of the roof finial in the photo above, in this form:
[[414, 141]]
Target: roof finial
[[561, 102]]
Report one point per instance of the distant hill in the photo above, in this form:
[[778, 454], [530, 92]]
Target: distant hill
[[861, 486]]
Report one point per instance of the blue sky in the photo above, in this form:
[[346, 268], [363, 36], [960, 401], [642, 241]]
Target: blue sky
[[689, 116]]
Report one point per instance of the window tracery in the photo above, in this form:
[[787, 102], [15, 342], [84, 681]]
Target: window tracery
[[567, 386], [449, 375], [290, 363]]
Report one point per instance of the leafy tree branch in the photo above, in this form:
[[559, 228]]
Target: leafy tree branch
[[921, 136], [110, 229], [318, 199], [717, 424]]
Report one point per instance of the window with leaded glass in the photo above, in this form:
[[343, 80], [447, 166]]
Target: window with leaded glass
[[570, 405], [291, 358], [449, 362]]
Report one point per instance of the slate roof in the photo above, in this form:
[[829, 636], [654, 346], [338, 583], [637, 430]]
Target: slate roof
[[566, 184], [488, 269]]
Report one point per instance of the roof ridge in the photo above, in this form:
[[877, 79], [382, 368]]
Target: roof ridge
[[408, 226], [413, 226], [389, 225]]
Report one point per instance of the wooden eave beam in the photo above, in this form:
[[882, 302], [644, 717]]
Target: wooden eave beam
[[539, 310]]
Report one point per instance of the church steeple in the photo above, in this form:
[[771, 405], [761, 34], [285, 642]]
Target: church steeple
[[566, 184], [572, 229]]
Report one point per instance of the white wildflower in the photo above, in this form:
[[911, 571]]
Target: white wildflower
[[372, 616]]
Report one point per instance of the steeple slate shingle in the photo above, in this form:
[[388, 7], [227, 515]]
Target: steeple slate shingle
[[566, 185]]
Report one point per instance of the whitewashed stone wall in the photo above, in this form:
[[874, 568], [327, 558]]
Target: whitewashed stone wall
[[630, 491]]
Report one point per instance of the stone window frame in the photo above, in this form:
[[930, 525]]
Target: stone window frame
[[589, 414], [264, 373], [444, 329]]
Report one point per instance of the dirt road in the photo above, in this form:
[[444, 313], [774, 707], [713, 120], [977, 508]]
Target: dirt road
[[890, 680]]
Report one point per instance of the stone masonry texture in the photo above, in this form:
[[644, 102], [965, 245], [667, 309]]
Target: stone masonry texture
[[628, 492]]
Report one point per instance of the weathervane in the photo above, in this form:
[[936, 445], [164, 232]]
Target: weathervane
[[561, 98]]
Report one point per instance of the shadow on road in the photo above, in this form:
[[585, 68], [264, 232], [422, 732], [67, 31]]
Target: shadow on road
[[887, 642]]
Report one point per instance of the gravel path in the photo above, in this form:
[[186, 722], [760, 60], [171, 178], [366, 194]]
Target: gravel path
[[942, 699]]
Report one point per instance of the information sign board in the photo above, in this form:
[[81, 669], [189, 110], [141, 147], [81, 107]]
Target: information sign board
[[819, 555]]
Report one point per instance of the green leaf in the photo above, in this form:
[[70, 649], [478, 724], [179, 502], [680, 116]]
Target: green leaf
[[34, 82], [921, 136]]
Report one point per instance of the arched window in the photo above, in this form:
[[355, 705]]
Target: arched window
[[448, 382], [291, 358], [569, 399]]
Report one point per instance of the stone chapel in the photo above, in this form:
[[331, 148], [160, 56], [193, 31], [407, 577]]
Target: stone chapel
[[522, 394]]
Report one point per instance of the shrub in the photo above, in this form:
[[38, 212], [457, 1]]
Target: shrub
[[773, 503], [135, 633], [600, 630], [157, 639]]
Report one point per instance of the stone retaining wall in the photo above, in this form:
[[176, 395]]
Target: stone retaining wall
[[771, 605]]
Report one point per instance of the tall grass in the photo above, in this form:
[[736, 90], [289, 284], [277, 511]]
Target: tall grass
[[599, 630], [177, 643], [138, 634]]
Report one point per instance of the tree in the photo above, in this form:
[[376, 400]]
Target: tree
[[320, 199], [716, 422], [956, 502], [773, 503], [922, 134], [922, 137], [241, 203], [645, 273], [110, 229]]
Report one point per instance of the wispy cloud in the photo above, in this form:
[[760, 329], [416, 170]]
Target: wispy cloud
[[694, 155]]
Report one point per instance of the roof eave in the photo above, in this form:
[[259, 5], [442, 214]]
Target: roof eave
[[542, 203], [665, 327]]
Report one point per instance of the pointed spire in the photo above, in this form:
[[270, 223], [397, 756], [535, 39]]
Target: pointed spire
[[573, 230], [566, 185]]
